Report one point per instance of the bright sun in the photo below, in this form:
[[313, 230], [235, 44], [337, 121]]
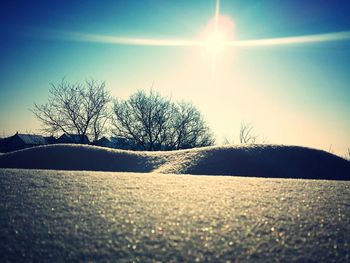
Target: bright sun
[[215, 41], [217, 33]]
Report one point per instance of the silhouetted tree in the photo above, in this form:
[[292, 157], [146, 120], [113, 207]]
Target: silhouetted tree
[[190, 130], [246, 134], [152, 122], [75, 109]]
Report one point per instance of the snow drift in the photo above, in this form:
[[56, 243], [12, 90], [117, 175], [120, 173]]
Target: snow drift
[[253, 160], [78, 157]]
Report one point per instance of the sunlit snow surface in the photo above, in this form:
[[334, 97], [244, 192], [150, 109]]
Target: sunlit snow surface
[[102, 216]]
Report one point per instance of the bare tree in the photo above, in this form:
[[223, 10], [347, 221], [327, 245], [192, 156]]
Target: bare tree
[[142, 119], [153, 122], [98, 98], [246, 134], [75, 108], [189, 127]]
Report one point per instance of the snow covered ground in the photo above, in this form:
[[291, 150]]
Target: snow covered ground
[[105, 216], [142, 209], [253, 160]]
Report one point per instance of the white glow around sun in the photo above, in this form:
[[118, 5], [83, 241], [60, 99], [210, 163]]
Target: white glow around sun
[[218, 33], [215, 42]]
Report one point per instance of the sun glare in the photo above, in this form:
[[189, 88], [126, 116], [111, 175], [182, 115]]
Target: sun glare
[[215, 42], [218, 32]]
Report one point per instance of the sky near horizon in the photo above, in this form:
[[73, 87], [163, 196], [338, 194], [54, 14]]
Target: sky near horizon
[[291, 81]]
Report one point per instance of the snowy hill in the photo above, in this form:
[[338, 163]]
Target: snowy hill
[[252, 160]]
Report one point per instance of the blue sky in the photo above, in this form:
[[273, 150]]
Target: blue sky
[[293, 94]]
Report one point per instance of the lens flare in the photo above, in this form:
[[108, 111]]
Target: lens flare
[[171, 42]]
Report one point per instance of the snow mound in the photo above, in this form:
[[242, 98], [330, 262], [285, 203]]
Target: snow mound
[[253, 160], [261, 161], [79, 157]]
